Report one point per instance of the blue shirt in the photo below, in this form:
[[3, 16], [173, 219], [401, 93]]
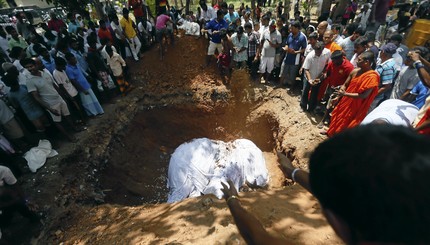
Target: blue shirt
[[422, 92], [73, 27], [82, 62], [27, 103], [387, 71], [49, 65], [231, 18], [75, 73], [214, 25], [296, 43]]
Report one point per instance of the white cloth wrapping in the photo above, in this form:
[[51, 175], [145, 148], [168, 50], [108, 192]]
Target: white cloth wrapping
[[199, 166], [36, 156], [191, 28]]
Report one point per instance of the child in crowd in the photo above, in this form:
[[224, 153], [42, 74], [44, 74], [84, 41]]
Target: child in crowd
[[67, 88], [117, 65]]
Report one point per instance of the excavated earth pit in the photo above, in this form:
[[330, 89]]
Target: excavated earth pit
[[111, 187], [137, 171]]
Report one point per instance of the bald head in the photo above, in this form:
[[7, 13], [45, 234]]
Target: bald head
[[322, 27], [328, 36]]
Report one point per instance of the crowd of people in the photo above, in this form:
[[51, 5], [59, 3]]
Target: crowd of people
[[69, 71]]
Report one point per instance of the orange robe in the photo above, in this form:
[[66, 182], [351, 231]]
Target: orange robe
[[351, 111], [424, 119], [333, 47]]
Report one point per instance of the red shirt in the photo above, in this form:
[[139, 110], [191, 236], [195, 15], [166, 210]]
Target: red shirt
[[336, 75], [55, 25], [137, 7], [103, 34]]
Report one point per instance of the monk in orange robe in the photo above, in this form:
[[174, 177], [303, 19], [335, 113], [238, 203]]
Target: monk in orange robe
[[357, 94]]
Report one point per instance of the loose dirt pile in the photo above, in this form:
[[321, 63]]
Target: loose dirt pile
[[97, 191]]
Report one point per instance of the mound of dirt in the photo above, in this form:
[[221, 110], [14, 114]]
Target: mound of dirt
[[96, 191]]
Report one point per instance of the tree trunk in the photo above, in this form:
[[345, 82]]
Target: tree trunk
[[287, 9], [182, 4], [187, 6], [176, 4], [99, 8], [326, 6], [340, 10], [252, 4]]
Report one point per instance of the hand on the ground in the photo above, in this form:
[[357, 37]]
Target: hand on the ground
[[32, 206], [228, 191], [285, 163]]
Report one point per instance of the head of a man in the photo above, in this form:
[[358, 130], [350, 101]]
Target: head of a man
[[272, 26], [318, 48], [231, 9], [313, 39], [328, 37], [365, 60], [358, 32], [360, 45], [239, 31], [60, 63], [396, 39], [203, 5], [265, 20], [125, 13], [374, 196], [30, 65], [248, 27], [219, 15], [387, 51], [337, 57], [322, 27], [295, 27]]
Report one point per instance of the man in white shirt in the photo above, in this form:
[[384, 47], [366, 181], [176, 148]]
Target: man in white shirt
[[41, 86], [314, 66], [269, 41], [392, 111], [207, 13]]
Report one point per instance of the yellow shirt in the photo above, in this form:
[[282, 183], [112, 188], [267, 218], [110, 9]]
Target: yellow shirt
[[127, 26]]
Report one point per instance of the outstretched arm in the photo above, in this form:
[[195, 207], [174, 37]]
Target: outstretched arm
[[249, 227], [300, 176]]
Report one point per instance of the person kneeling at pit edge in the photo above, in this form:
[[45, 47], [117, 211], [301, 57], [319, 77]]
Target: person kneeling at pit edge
[[368, 196]]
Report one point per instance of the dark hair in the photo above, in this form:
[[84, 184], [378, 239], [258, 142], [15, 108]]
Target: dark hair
[[102, 22], [396, 37], [376, 178], [9, 29], [360, 31], [108, 49], [60, 61], [248, 25], [319, 46], [219, 13], [337, 54], [68, 56], [27, 61], [239, 29], [350, 29], [296, 24], [336, 27], [15, 52], [361, 41], [313, 35]]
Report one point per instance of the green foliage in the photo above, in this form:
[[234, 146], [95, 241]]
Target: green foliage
[[3, 4], [70, 5]]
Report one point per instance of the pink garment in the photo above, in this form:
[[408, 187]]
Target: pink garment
[[161, 21]]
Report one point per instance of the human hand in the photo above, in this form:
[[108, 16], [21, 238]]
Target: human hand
[[291, 51], [300, 71], [285, 163], [228, 191]]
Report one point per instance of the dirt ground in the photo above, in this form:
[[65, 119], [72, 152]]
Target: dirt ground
[[110, 187]]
